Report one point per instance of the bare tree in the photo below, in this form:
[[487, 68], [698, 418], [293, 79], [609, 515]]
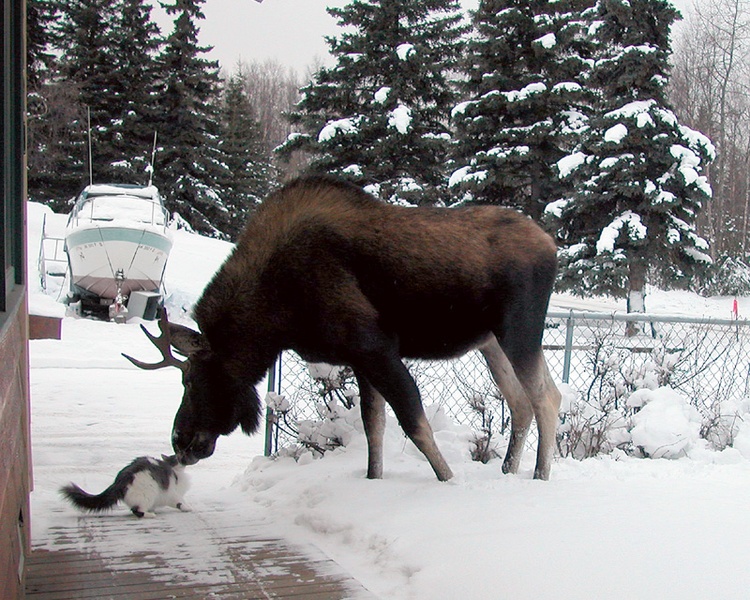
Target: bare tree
[[710, 88], [273, 90]]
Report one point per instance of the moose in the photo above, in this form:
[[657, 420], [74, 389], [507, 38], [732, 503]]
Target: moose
[[327, 270]]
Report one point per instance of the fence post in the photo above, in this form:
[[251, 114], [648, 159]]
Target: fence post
[[569, 326], [270, 419]]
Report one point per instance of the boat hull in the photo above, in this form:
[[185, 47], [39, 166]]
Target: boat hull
[[105, 260]]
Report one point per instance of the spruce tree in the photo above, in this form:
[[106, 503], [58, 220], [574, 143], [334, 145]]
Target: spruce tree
[[84, 33], [249, 171], [40, 15], [638, 173], [53, 111], [105, 75], [188, 166], [527, 101], [136, 90], [380, 116]]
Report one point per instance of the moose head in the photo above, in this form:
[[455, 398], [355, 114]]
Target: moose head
[[214, 403]]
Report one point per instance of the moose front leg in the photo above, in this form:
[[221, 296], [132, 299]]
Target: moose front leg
[[391, 378], [372, 406]]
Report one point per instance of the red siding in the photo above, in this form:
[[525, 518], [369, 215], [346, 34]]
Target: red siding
[[44, 328], [15, 467]]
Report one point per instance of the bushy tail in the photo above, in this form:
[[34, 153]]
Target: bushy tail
[[93, 503]]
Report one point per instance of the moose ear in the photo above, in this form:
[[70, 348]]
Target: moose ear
[[186, 340]]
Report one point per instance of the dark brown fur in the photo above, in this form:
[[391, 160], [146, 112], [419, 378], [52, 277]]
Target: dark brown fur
[[328, 271]]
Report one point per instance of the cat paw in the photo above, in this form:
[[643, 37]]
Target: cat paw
[[149, 515], [183, 507]]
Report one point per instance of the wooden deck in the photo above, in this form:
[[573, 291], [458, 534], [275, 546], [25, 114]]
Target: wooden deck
[[119, 557]]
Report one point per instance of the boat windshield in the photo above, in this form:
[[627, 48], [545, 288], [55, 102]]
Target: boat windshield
[[104, 204]]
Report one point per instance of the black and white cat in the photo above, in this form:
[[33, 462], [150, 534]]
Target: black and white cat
[[145, 484]]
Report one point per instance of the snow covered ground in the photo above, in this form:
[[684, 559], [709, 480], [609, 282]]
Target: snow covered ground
[[613, 527]]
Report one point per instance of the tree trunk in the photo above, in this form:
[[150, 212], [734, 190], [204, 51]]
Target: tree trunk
[[636, 292]]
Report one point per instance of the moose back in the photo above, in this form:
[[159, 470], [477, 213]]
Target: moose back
[[330, 272]]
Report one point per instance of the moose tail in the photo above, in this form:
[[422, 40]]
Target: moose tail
[[90, 502]]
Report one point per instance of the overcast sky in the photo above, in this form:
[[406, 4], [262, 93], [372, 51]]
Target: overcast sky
[[290, 31]]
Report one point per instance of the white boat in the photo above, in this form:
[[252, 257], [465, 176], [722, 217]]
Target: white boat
[[118, 242]]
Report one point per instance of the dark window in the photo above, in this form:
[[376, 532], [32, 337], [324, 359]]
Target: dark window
[[13, 164]]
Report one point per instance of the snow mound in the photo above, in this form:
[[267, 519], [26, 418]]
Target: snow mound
[[668, 426]]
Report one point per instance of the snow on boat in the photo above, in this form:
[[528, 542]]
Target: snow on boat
[[118, 242]]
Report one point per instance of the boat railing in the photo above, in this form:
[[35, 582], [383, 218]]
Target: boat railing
[[52, 260], [111, 208]]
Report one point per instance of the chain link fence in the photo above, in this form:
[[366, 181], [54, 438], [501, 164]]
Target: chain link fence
[[598, 360]]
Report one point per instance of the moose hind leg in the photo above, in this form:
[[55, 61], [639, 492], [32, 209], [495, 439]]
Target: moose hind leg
[[521, 411], [391, 378], [372, 406], [545, 400]]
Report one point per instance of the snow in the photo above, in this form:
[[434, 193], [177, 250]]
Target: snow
[[616, 133], [333, 128], [556, 207], [355, 170], [400, 119], [110, 206], [525, 92], [608, 237], [667, 426], [615, 526], [689, 163], [547, 41], [631, 109], [103, 189], [566, 87], [405, 51], [697, 140], [382, 94], [570, 163], [460, 108], [466, 175]]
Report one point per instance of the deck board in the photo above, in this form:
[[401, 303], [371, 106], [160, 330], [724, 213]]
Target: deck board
[[118, 558]]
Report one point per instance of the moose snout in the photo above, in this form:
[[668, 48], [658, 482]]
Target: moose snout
[[190, 448]]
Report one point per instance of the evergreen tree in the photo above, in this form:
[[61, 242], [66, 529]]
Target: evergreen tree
[[40, 15], [54, 115], [105, 74], [136, 90], [638, 174], [380, 116], [92, 59], [188, 166], [249, 172], [528, 100], [82, 81]]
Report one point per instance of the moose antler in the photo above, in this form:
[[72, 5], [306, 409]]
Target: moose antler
[[163, 343]]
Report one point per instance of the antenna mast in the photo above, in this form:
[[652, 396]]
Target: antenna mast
[[153, 160], [91, 162]]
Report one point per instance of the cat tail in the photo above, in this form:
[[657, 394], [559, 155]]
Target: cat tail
[[94, 503]]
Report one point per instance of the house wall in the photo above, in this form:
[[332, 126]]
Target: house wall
[[15, 462], [15, 467]]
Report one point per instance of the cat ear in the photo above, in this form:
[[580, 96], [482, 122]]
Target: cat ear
[[165, 458]]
